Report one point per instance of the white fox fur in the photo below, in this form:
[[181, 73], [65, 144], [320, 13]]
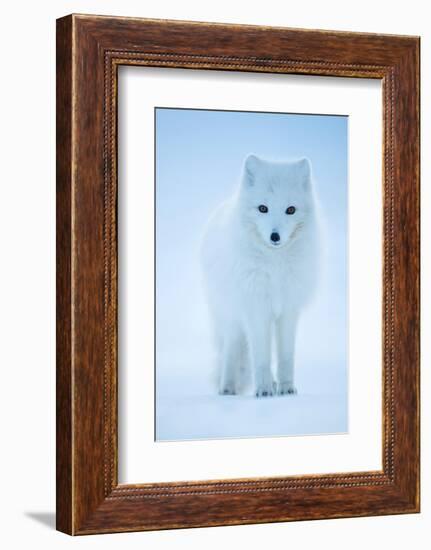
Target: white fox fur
[[257, 285]]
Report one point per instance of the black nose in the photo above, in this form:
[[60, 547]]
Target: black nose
[[275, 237]]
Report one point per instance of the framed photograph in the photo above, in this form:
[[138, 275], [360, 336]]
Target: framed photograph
[[237, 274]]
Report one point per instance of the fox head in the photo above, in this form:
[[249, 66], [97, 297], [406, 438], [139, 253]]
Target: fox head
[[276, 199]]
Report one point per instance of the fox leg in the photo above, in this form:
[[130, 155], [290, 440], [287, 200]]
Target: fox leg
[[232, 358], [259, 340], [285, 339]]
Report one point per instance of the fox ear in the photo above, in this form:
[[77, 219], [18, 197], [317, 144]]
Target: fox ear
[[304, 169], [251, 164]]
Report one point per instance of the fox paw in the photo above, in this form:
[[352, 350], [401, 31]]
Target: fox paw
[[286, 388], [265, 390], [227, 389]]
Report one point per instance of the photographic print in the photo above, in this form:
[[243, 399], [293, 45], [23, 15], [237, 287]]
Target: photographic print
[[237, 232], [251, 274]]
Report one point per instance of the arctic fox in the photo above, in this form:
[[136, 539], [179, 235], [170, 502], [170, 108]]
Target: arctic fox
[[260, 261]]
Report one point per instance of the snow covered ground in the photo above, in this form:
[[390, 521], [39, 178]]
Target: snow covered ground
[[188, 407]]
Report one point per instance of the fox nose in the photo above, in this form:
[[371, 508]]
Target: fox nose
[[275, 237]]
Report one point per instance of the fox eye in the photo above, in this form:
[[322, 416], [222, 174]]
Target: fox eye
[[262, 208], [291, 210]]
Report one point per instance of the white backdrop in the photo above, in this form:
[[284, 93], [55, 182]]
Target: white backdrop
[[27, 214]]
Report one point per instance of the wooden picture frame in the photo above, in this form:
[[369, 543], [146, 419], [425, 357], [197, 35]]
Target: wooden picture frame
[[89, 51]]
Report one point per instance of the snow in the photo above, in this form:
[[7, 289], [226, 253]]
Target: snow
[[189, 407]]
